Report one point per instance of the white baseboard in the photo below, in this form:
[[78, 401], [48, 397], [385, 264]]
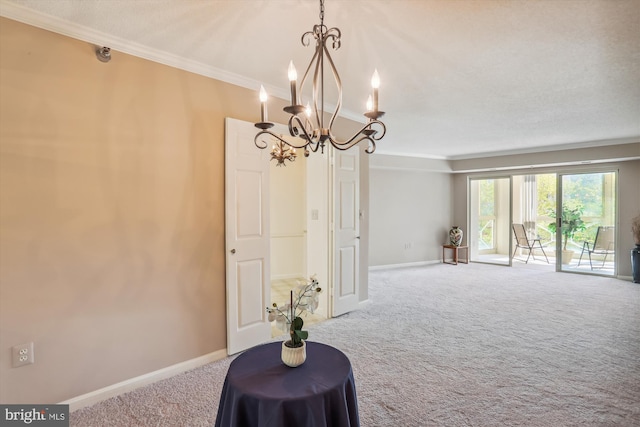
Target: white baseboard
[[420, 263], [363, 304], [131, 384], [408, 264]]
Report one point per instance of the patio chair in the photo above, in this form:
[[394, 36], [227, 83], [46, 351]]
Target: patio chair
[[524, 242], [604, 244]]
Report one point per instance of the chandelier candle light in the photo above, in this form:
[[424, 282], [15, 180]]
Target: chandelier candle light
[[311, 128]]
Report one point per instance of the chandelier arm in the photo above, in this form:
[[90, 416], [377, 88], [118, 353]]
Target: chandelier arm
[[372, 146], [317, 89], [336, 77], [314, 147], [276, 136], [295, 131], [334, 34], [348, 145], [365, 132], [378, 135], [306, 37], [258, 135], [306, 73], [311, 143]]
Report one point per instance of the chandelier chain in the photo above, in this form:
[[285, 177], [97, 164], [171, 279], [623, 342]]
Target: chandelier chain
[[321, 12]]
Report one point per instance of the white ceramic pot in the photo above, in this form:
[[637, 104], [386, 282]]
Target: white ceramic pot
[[294, 356], [567, 256]]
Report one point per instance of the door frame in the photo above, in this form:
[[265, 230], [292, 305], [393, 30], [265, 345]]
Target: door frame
[[587, 170], [330, 200], [471, 234]]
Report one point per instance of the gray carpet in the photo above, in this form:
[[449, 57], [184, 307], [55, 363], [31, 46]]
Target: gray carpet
[[467, 345]]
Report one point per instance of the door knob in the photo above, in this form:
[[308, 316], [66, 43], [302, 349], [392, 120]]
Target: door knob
[[233, 251], [357, 237]]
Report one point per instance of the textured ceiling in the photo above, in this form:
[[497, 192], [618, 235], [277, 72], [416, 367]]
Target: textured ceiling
[[460, 78]]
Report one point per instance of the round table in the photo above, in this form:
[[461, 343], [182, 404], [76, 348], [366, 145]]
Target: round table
[[260, 390]]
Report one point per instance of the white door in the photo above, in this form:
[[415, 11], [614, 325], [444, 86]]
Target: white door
[[346, 227], [247, 237]]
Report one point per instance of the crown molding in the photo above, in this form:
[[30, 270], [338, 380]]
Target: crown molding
[[61, 26], [548, 148], [57, 25]]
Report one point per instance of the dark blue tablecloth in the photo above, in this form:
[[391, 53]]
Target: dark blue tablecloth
[[260, 390]]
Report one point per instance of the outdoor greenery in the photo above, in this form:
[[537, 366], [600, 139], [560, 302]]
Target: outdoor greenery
[[546, 186], [487, 191], [591, 195], [571, 222], [586, 190], [487, 197]]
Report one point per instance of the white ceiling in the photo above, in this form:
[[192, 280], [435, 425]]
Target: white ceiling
[[460, 78]]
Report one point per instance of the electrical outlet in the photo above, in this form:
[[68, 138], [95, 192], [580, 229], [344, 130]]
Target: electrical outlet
[[22, 355]]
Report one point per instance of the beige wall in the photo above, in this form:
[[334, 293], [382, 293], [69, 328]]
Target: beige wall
[[111, 214], [288, 219]]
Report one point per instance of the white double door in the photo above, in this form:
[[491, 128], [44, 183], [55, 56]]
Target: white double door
[[248, 276]]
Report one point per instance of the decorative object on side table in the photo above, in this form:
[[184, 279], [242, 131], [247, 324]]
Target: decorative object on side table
[[635, 252], [287, 317], [455, 235]]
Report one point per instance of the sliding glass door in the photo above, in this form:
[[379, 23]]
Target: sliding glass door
[[585, 222], [570, 218], [490, 220]]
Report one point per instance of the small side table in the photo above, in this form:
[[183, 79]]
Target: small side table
[[456, 258], [261, 391]]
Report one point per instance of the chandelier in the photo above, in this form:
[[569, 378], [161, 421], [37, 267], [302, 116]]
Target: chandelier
[[308, 122], [281, 152]]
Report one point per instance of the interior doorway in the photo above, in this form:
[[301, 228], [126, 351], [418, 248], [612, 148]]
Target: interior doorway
[[299, 225], [314, 221]]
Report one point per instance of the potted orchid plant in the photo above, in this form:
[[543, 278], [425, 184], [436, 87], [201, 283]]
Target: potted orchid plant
[[305, 298]]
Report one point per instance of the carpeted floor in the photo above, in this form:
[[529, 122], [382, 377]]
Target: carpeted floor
[[442, 345]]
